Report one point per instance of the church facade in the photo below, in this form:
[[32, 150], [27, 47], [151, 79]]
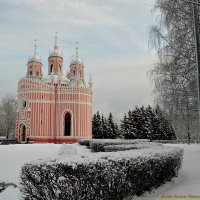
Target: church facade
[[57, 107]]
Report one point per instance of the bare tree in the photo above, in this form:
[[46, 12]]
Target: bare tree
[[7, 116], [174, 75]]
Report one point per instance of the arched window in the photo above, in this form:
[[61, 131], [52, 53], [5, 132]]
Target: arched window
[[60, 67], [24, 104], [74, 72], [67, 124], [37, 73], [51, 69], [31, 73]]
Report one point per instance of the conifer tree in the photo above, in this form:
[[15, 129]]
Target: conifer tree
[[124, 127], [147, 123], [96, 126], [127, 124], [113, 132], [165, 127], [103, 128]]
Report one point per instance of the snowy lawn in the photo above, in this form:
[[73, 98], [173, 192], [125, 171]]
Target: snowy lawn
[[14, 156], [188, 182]]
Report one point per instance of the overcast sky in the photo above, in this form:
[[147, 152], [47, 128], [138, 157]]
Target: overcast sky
[[113, 42]]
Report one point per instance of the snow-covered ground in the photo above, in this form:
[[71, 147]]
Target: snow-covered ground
[[12, 157], [188, 181]]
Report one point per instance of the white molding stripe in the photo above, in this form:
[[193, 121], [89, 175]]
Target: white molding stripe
[[52, 91], [59, 137], [62, 102]]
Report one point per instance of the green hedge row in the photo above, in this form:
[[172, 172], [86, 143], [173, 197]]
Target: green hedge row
[[98, 145], [85, 143], [124, 147], [178, 141], [104, 176]]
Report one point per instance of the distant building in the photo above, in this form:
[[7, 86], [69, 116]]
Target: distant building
[[54, 108]]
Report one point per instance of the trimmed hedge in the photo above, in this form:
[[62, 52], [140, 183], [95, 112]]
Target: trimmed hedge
[[124, 147], [178, 141], [85, 143], [104, 176], [98, 145]]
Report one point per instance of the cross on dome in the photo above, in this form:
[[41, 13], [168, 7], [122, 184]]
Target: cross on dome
[[35, 46], [76, 49], [56, 39], [56, 51]]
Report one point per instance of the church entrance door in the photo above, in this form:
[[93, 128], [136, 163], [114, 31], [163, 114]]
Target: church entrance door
[[23, 132], [67, 124]]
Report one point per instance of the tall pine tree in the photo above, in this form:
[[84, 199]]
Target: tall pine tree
[[103, 128], [147, 123], [113, 131], [96, 126]]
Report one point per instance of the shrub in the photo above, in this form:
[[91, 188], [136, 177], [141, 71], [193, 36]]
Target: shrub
[[106, 176], [177, 141], [85, 142], [124, 147], [99, 144]]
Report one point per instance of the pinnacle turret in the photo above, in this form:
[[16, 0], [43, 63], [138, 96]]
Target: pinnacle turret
[[34, 66]]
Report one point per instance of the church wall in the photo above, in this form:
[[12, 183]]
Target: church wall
[[47, 120]]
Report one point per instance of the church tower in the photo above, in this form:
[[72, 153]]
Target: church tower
[[34, 65], [76, 73], [55, 60]]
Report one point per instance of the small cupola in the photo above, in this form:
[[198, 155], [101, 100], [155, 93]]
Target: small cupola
[[34, 65], [75, 59], [55, 59], [76, 73]]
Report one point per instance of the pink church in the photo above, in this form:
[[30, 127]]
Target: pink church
[[56, 107]]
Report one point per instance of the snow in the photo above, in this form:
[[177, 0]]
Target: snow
[[12, 157], [188, 181], [67, 149]]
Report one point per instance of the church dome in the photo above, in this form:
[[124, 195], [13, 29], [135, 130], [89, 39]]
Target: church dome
[[56, 52], [35, 58], [76, 60]]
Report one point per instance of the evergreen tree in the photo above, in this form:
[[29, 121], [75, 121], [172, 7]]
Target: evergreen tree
[[147, 123], [96, 126], [144, 125], [128, 124], [165, 127], [103, 128], [113, 131], [124, 127]]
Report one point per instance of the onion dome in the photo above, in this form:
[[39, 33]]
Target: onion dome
[[75, 59], [35, 57], [56, 51]]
